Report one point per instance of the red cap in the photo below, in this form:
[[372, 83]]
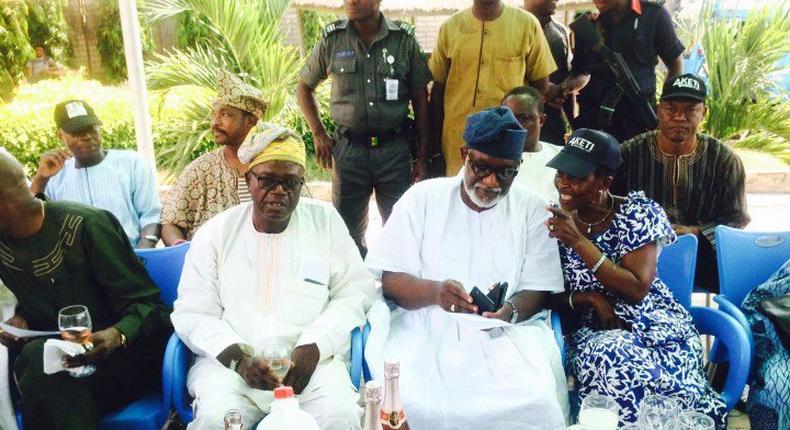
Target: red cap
[[283, 393]]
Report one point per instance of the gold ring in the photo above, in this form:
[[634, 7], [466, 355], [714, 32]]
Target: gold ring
[[551, 227], [88, 346], [452, 307]]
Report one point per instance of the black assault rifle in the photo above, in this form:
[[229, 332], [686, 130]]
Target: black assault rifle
[[585, 32]]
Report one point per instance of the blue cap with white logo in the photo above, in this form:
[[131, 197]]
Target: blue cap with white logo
[[586, 150]]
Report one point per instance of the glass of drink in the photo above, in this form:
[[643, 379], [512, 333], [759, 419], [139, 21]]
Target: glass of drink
[[277, 352], [656, 411], [74, 323], [692, 421], [599, 412], [233, 419]]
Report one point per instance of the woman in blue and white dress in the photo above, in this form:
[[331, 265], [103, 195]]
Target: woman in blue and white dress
[[632, 339]]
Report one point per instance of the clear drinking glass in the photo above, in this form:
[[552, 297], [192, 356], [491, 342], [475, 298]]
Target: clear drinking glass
[[599, 412], [692, 421], [656, 411], [277, 352], [233, 419], [75, 325]]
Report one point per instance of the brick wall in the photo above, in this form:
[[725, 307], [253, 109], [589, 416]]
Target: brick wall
[[426, 29]]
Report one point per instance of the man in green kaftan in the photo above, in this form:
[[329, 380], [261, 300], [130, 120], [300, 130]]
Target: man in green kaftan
[[58, 254]]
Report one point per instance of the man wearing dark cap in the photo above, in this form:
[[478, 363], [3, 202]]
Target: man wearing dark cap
[[118, 181], [697, 179], [445, 237]]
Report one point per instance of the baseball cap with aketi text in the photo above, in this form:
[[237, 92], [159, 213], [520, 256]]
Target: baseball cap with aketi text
[[685, 86], [75, 115], [585, 151]]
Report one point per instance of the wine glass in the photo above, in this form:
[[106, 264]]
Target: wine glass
[[74, 323], [656, 411], [277, 352], [692, 421], [599, 412]]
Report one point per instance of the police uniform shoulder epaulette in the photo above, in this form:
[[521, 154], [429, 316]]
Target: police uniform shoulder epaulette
[[405, 26], [334, 26]]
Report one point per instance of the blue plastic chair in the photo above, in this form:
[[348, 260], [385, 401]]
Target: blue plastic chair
[[677, 265], [150, 411], [746, 260], [179, 358]]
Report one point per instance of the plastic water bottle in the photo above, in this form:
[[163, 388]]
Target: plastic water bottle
[[285, 414]]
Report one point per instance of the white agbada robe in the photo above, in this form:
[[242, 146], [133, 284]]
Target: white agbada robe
[[453, 374], [305, 285], [534, 174]]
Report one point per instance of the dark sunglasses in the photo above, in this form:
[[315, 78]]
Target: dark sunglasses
[[289, 185], [482, 170]]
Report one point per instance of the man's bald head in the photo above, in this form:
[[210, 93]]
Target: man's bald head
[[12, 175]]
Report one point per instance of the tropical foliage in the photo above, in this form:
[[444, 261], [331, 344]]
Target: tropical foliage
[[243, 36], [109, 39], [743, 62], [313, 23], [23, 24]]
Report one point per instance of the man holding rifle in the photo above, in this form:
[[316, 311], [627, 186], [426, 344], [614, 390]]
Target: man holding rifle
[[613, 68]]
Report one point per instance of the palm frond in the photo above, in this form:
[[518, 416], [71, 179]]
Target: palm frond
[[196, 66]]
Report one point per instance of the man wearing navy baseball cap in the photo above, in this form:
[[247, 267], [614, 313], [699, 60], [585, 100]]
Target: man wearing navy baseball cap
[[445, 237], [699, 181]]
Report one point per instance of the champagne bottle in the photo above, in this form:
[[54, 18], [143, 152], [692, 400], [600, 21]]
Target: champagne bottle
[[393, 416], [372, 406]]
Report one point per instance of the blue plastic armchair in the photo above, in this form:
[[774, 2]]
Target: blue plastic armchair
[[677, 265], [150, 411], [727, 331], [179, 358], [746, 260]]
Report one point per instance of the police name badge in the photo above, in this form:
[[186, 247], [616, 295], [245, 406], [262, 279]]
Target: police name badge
[[391, 86]]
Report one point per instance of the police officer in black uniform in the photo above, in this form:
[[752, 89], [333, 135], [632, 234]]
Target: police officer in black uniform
[[378, 70], [642, 32]]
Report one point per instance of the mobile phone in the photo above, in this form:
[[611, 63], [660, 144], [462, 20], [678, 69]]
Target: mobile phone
[[483, 303]]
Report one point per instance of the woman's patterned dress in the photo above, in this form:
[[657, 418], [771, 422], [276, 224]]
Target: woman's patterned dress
[[662, 351]]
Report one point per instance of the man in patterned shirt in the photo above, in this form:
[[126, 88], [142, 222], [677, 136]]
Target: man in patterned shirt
[[697, 179], [215, 181]]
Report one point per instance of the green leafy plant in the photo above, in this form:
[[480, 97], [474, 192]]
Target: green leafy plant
[[313, 23], [243, 37], [47, 27], [109, 39], [24, 24], [15, 50], [745, 104]]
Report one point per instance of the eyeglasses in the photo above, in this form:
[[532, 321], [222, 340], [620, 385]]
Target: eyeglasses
[[290, 185], [483, 170]]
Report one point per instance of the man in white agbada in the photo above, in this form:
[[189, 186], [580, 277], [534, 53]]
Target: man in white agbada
[[277, 269], [526, 103], [459, 370]]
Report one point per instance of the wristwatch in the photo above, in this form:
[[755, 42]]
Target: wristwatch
[[151, 237], [514, 318]]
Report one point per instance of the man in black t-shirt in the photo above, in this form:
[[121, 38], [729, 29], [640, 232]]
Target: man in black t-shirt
[[558, 36], [642, 32]]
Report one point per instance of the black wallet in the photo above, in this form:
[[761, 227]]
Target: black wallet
[[492, 301]]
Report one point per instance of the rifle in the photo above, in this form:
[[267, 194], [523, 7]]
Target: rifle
[[625, 84]]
